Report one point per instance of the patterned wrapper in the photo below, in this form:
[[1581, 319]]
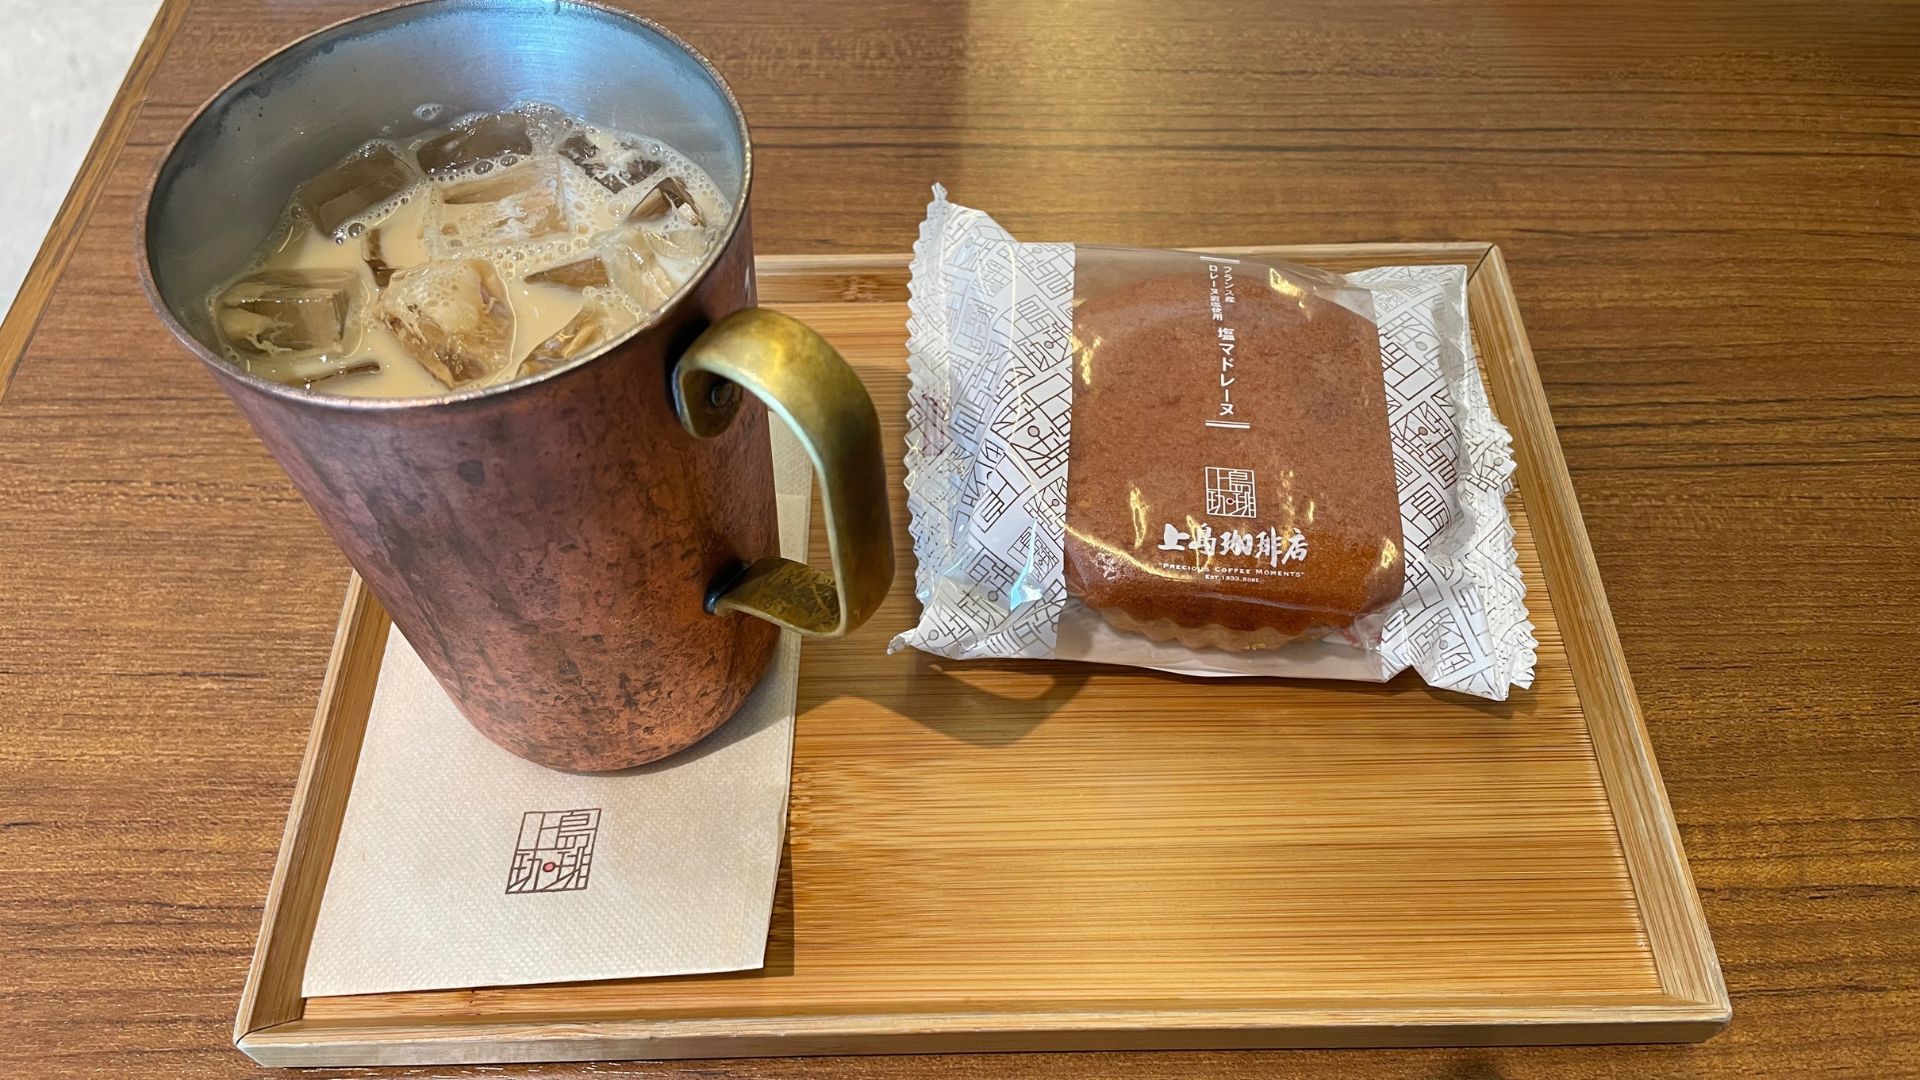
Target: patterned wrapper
[[992, 361]]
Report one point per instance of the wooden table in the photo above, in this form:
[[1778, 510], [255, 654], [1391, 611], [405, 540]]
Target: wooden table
[[1712, 216]]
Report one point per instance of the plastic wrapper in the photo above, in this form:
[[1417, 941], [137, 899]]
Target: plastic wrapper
[[1207, 464]]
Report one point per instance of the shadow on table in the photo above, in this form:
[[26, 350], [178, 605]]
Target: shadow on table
[[998, 702], [980, 702]]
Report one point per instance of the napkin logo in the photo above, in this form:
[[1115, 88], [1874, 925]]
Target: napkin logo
[[554, 852], [1230, 492]]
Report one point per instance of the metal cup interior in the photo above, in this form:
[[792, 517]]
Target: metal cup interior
[[222, 189]]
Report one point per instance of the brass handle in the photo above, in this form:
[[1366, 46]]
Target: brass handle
[[804, 382]]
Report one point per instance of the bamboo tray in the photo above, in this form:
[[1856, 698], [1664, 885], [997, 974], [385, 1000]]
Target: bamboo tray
[[1030, 855]]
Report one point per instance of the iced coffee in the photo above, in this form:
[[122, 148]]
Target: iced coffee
[[492, 248]]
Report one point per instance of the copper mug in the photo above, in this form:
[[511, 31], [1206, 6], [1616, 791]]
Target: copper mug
[[583, 558]]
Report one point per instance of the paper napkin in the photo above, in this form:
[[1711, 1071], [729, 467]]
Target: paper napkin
[[459, 864]]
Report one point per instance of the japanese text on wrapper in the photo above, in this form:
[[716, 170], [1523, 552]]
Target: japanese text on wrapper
[[1220, 302], [1273, 546]]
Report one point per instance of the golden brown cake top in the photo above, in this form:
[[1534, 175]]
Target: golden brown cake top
[[1230, 463]]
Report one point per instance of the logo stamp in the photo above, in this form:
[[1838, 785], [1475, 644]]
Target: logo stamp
[[1230, 493], [554, 852]]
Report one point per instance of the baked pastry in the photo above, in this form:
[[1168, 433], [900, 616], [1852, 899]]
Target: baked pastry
[[1230, 478], [1216, 455]]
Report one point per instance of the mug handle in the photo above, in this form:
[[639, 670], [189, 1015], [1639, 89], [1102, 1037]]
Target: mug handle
[[806, 383]]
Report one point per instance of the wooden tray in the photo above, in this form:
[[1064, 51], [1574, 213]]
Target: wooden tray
[[1030, 855]]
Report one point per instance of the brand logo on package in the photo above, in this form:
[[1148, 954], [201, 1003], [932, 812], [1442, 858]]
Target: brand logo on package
[[1230, 493], [554, 852]]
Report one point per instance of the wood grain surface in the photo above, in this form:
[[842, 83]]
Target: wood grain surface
[[1034, 855], [1710, 213]]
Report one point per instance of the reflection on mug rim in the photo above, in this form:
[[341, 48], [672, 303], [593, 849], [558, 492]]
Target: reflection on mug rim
[[392, 16]]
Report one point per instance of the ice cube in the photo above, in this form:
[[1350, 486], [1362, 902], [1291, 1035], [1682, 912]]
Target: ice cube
[[579, 274], [634, 268], [496, 188], [545, 122], [400, 241], [290, 313], [581, 149], [595, 325], [382, 273], [615, 168], [312, 377], [521, 204], [453, 317], [478, 144], [668, 197], [651, 258], [675, 239], [374, 175]]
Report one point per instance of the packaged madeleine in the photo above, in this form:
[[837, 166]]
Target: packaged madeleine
[[1206, 464]]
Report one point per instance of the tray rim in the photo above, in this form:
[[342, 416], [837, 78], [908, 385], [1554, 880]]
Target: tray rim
[[269, 1025]]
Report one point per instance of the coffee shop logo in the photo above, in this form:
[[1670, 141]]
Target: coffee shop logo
[[1230, 493], [554, 852]]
